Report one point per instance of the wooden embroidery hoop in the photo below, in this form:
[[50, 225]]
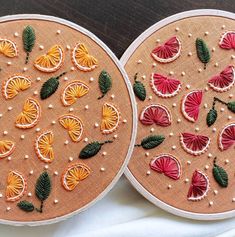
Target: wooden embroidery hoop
[[132, 100], [124, 59]]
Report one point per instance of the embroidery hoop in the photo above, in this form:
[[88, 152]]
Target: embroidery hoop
[[132, 100], [124, 59]]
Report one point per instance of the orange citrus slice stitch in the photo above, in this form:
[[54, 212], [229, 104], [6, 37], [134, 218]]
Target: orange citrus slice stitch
[[6, 148], [51, 61], [44, 147], [8, 48], [29, 117], [13, 85], [73, 91], [110, 118], [82, 59], [74, 126], [16, 186], [74, 174]]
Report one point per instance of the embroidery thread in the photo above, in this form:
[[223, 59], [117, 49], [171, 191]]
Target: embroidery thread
[[227, 137], [105, 83], [25, 206], [6, 148], [92, 149], [220, 175], [151, 141], [28, 37], [139, 89], [50, 86], [203, 52], [8, 48], [227, 40]]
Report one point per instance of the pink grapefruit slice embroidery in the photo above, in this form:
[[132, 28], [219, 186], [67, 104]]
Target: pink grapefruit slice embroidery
[[224, 81], [167, 52], [227, 137], [166, 164], [194, 144], [156, 114], [199, 186], [191, 105], [227, 40], [164, 86]]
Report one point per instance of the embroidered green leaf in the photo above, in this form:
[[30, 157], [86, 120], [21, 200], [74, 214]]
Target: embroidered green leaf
[[43, 186], [220, 175], [203, 52], [50, 87], [231, 106], [105, 83], [28, 37], [139, 89], [211, 117], [92, 149], [151, 141], [25, 206]]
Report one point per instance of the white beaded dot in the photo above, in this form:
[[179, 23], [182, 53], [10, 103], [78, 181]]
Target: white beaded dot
[[178, 120], [96, 125], [171, 73], [68, 47], [143, 77], [199, 70], [58, 32], [8, 63], [71, 109], [53, 122], [139, 61], [154, 65], [5, 132], [209, 155], [70, 159], [22, 137], [230, 96], [189, 162], [169, 186], [37, 129], [186, 180], [205, 106], [65, 78], [1, 195], [0, 115], [9, 158], [171, 134], [112, 96], [158, 40], [26, 156], [85, 139], [150, 97], [16, 34], [56, 173], [190, 54], [124, 121], [41, 47], [148, 172], [213, 49], [226, 161], [188, 86], [8, 208], [182, 74], [206, 167], [223, 27], [146, 154], [216, 65], [50, 106], [215, 192], [91, 79], [9, 108], [104, 153], [197, 129], [206, 33], [229, 117], [86, 107], [232, 56], [177, 29], [206, 88], [189, 35], [102, 169], [31, 172], [72, 68], [66, 142], [35, 92], [221, 109], [173, 147], [25, 69], [152, 130], [174, 105], [56, 201], [29, 194], [211, 203], [214, 129], [233, 200], [38, 79], [115, 136], [46, 167]]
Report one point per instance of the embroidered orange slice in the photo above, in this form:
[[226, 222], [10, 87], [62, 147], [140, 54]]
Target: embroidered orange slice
[[16, 186], [74, 174], [227, 137], [110, 118], [44, 146], [13, 85], [73, 91], [8, 48], [6, 148], [82, 59], [51, 61], [30, 114], [74, 126]]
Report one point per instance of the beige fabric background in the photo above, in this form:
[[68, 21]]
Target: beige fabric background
[[155, 183], [96, 183]]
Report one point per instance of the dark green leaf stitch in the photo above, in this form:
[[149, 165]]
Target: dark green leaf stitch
[[151, 141], [105, 83], [92, 149], [50, 86], [231, 106], [139, 89], [203, 52], [211, 117], [220, 175], [28, 37], [25, 206]]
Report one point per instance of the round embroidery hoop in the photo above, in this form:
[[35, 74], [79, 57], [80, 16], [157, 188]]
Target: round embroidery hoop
[[132, 120], [126, 58]]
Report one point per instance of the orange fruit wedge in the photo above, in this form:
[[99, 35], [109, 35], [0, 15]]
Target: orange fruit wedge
[[13, 85], [6, 148], [73, 91], [74, 174], [51, 61], [8, 48], [110, 118], [82, 59], [74, 126], [44, 147], [16, 186], [29, 117]]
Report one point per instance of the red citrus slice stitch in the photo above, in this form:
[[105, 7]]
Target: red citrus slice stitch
[[224, 81], [227, 40], [191, 105], [166, 164], [167, 52], [156, 114], [194, 144], [227, 137], [199, 186], [164, 86]]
